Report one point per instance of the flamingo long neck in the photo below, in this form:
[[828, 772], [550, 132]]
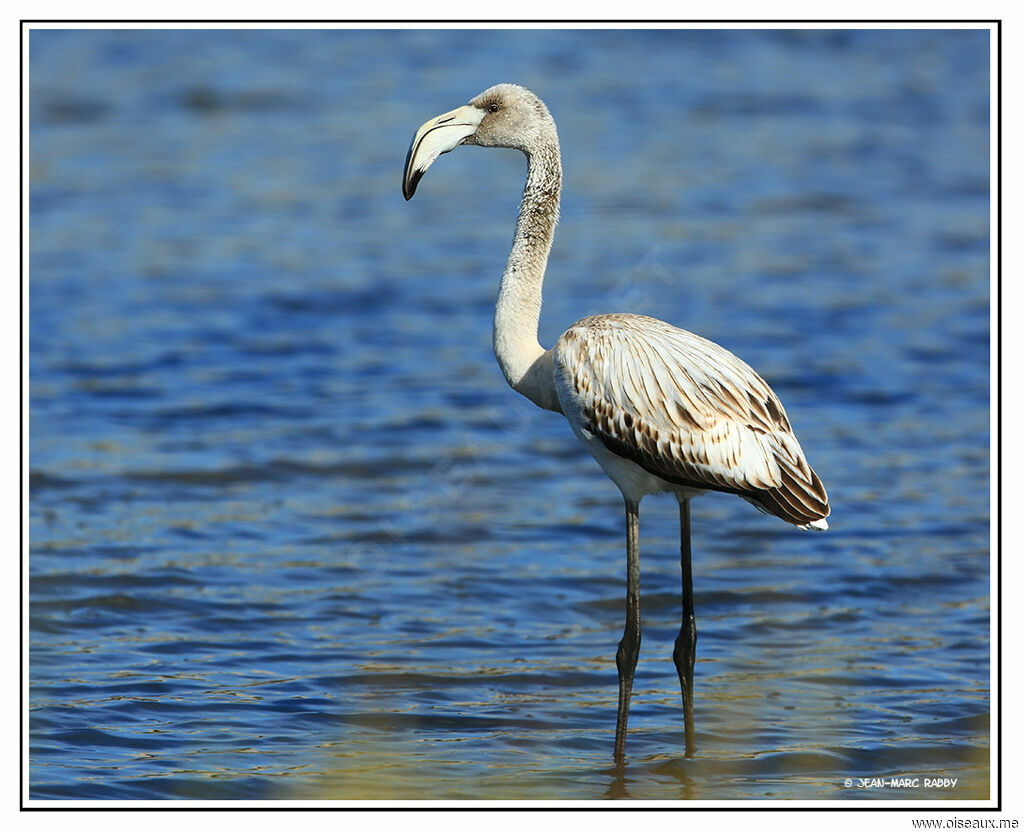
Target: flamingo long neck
[[526, 365]]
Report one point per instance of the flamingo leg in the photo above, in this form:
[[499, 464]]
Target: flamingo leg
[[685, 651], [629, 646]]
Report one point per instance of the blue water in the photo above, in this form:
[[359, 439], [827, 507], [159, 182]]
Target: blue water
[[292, 536]]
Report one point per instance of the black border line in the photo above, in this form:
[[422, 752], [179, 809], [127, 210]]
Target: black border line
[[998, 371], [998, 22], [22, 555], [331, 805]]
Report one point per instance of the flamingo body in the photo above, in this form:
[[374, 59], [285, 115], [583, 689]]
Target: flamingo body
[[664, 410]]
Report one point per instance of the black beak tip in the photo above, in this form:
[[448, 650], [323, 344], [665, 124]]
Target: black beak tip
[[409, 184]]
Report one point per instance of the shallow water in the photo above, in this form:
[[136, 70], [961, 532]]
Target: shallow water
[[293, 537]]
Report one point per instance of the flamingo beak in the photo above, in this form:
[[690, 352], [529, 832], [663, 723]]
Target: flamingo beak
[[437, 136]]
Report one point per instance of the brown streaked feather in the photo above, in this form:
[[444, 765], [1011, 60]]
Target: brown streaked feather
[[687, 411]]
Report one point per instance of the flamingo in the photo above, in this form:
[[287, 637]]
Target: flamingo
[[659, 408]]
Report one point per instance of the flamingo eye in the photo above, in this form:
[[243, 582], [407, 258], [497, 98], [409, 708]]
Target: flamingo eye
[[492, 108]]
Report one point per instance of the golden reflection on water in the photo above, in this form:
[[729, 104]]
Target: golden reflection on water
[[758, 737]]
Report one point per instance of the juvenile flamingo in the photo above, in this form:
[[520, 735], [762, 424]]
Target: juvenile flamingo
[[661, 409]]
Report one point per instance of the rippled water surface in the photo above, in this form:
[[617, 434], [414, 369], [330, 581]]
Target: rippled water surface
[[292, 536]]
